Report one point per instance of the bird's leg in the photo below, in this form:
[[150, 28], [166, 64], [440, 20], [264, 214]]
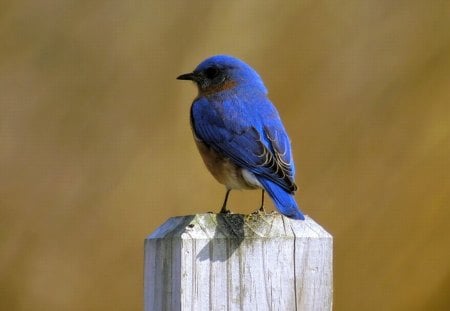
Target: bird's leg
[[224, 209], [261, 209]]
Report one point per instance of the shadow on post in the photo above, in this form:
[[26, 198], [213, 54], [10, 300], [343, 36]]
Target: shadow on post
[[227, 238]]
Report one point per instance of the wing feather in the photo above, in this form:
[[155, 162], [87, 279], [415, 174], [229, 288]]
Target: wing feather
[[261, 147]]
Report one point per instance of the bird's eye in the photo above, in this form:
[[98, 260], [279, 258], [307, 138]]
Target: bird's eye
[[211, 72]]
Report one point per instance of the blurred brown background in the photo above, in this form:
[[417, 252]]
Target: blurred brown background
[[96, 149]]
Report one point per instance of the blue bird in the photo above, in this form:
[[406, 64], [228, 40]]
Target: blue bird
[[239, 132]]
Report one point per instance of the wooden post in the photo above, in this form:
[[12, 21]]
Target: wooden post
[[238, 262]]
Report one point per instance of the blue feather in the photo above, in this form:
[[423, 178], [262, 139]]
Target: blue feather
[[284, 202], [246, 139]]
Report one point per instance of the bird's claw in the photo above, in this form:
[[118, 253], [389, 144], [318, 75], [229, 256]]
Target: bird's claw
[[225, 211]]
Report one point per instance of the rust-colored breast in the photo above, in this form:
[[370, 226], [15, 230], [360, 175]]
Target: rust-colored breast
[[223, 170]]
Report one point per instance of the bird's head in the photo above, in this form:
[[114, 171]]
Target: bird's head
[[223, 72]]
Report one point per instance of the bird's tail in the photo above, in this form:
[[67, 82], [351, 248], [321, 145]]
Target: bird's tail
[[284, 201]]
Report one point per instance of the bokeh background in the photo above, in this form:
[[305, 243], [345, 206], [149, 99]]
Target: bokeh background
[[96, 149]]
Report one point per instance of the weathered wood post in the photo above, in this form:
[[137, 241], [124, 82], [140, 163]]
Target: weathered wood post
[[238, 262]]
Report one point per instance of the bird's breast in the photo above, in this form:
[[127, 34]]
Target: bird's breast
[[224, 170]]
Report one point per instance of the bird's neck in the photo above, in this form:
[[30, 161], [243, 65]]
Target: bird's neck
[[231, 88], [214, 89]]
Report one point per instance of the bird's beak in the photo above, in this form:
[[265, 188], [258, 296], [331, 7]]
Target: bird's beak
[[188, 76]]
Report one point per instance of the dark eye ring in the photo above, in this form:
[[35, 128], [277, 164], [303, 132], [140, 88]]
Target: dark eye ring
[[211, 72]]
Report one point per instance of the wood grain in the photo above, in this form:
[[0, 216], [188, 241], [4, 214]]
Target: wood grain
[[238, 262]]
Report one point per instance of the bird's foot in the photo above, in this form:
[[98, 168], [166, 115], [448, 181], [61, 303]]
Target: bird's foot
[[224, 210], [260, 211]]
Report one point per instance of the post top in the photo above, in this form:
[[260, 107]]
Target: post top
[[232, 226]]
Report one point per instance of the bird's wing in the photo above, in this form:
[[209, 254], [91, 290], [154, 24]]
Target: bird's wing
[[263, 149]]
